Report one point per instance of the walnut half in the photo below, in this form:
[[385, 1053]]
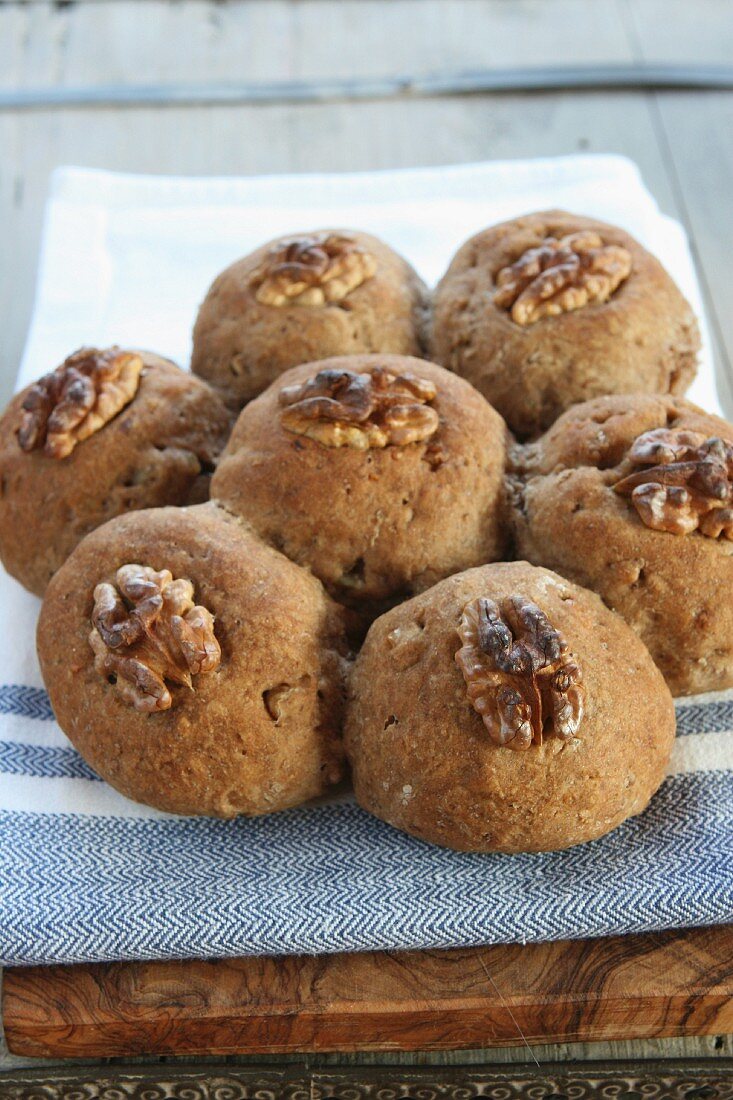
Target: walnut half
[[312, 270], [72, 402], [146, 630], [683, 482], [560, 276], [339, 408], [519, 674]]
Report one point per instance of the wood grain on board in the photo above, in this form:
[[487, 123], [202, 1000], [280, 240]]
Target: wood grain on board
[[675, 983]]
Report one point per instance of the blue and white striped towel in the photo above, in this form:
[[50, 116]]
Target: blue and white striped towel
[[87, 875]]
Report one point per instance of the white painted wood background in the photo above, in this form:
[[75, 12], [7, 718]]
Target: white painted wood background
[[683, 142]]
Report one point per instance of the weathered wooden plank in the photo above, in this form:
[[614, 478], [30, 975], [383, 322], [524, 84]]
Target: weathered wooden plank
[[50, 41], [695, 137], [278, 39], [702, 161], [710, 1047], [676, 30]]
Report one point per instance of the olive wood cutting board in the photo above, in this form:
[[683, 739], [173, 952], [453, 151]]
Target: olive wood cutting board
[[625, 987]]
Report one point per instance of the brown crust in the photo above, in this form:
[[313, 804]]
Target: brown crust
[[373, 524], [675, 591], [420, 754], [644, 339], [160, 449], [241, 345], [219, 749]]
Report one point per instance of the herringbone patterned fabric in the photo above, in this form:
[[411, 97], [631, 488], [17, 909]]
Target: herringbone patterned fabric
[[79, 886], [106, 880]]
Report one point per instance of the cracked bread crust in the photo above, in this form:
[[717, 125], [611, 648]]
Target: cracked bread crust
[[374, 525], [259, 732], [422, 758], [241, 345], [643, 339], [160, 449], [673, 589]]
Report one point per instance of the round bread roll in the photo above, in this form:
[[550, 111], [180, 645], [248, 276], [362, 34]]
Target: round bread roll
[[632, 496], [194, 668], [382, 474], [550, 309], [109, 431], [506, 710], [304, 297]]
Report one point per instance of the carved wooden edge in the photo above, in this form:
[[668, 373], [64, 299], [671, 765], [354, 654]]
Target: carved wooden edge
[[706, 1079]]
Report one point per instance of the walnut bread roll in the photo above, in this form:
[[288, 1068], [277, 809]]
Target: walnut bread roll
[[106, 432], [507, 710], [303, 297], [381, 474], [194, 668], [550, 309], [633, 498]]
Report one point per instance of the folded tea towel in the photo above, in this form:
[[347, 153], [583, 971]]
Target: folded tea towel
[[86, 874]]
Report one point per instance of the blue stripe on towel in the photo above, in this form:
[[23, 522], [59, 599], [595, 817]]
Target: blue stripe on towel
[[47, 761], [43, 761], [713, 717], [331, 878], [28, 702]]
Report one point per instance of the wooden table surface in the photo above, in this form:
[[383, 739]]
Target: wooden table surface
[[682, 140]]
